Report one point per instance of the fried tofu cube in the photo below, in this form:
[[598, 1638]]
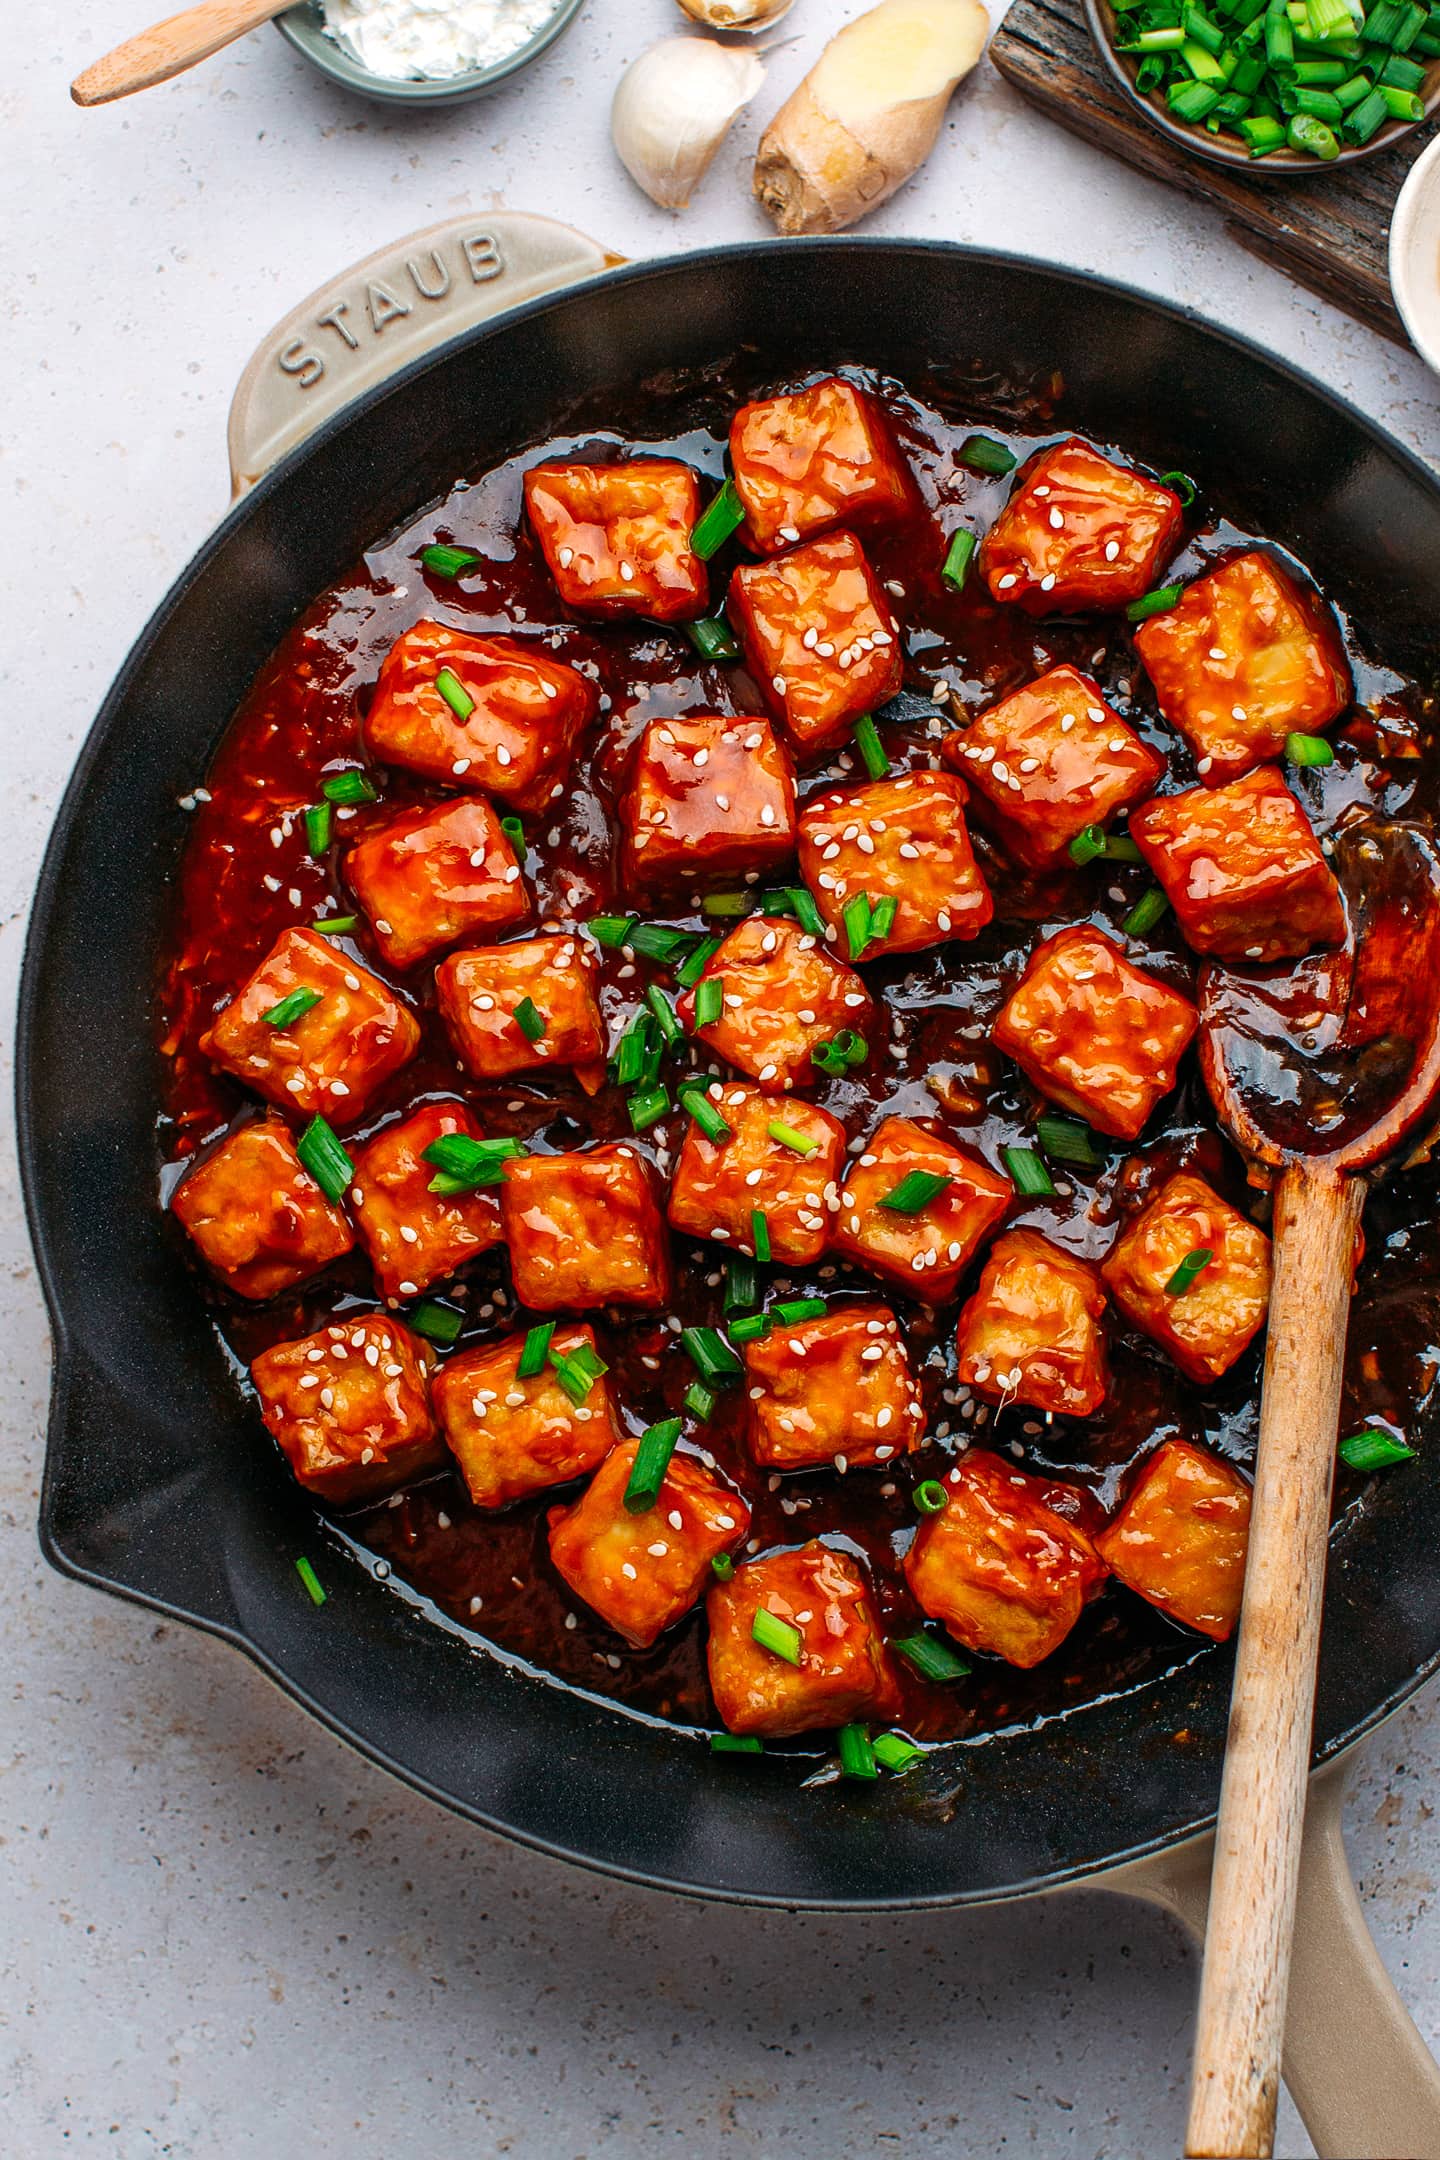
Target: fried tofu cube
[[642, 1573], [813, 459], [818, 637], [1242, 869], [1242, 660], [257, 1216], [836, 1389], [1096, 1035], [1210, 1323], [924, 1252], [585, 1230], [616, 538], [413, 1235], [998, 1566], [1079, 532], [844, 1671], [902, 840], [1050, 759], [709, 794], [528, 1007], [719, 1184], [514, 1437], [783, 996], [1179, 1540], [336, 1053], [432, 877], [1034, 1330], [350, 1425]]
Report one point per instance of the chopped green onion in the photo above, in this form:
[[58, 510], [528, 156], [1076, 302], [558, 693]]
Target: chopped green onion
[[611, 931], [840, 1052], [652, 1460], [712, 638], [529, 1019], [729, 1743], [930, 1497], [749, 1327], [693, 967], [1191, 1268], [291, 1008], [1373, 1449], [647, 1106], [349, 787], [636, 1053], [311, 1580], [870, 747], [464, 1165], [514, 832], [336, 925], [760, 1234], [857, 1757], [791, 1311], [1365, 119], [932, 1656], [894, 1752], [711, 1355], [1314, 136], [664, 1012], [1028, 1173], [915, 1191], [657, 941], [722, 1567], [706, 1116], [1261, 134], [456, 696], [700, 1400], [856, 918], [983, 454], [882, 917], [535, 1350], [447, 562], [709, 1001], [442, 1323], [806, 913], [318, 827], [1181, 484], [325, 1159], [958, 558], [726, 903], [786, 1136], [1399, 73], [1190, 101], [1146, 912], [1067, 1140], [1154, 603], [776, 1635], [1094, 843], [742, 1283], [578, 1372], [724, 515], [1309, 750]]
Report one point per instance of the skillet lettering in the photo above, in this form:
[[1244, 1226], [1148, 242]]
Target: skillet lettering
[[303, 362], [483, 257], [330, 320], [384, 307], [434, 260]]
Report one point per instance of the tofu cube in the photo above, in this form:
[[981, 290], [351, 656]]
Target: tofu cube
[[783, 997], [518, 741], [351, 1425], [554, 979], [844, 1672], [818, 637], [415, 1236], [1207, 1326], [719, 1184], [1096, 1035], [1050, 759], [1079, 532], [642, 1573], [337, 1053], [1242, 660], [432, 877], [998, 1566], [709, 794], [832, 1390], [926, 1252], [1034, 1330], [257, 1216], [1242, 869], [814, 459], [616, 538], [1179, 1540], [903, 840], [585, 1230], [514, 1437]]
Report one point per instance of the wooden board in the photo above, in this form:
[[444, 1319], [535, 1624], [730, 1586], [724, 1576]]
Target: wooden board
[[1329, 233]]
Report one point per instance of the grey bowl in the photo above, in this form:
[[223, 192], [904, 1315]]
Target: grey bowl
[[304, 28]]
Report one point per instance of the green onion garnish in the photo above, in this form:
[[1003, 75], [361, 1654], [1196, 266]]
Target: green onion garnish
[[349, 787], [932, 1656], [442, 1323], [857, 1757], [1066, 1140], [699, 1400], [722, 1567], [870, 747], [983, 454], [657, 941], [711, 1355], [894, 1752], [325, 1159], [958, 558], [791, 1311], [664, 1012], [1094, 843], [535, 1350], [723, 516], [611, 931], [882, 917], [1154, 603], [694, 965], [930, 1497], [726, 903], [447, 562], [1309, 750], [776, 1635], [749, 1327], [760, 1234], [856, 918], [840, 1052], [786, 1136], [806, 913], [319, 823], [706, 1116], [1374, 1450], [529, 1019], [647, 1106], [1028, 1173], [652, 1460], [311, 1580], [712, 639], [709, 1001], [742, 1283], [729, 1743], [1146, 912], [464, 1165], [514, 831], [915, 1191], [578, 1372], [336, 925], [456, 696], [1190, 1269], [290, 1008], [1180, 483], [637, 1052]]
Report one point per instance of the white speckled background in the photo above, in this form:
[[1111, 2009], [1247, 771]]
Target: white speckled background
[[223, 1935]]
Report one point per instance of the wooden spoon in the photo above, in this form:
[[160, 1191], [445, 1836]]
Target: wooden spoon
[[1322, 1072], [169, 47]]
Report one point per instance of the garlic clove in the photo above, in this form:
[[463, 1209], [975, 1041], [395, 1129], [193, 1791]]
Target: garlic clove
[[673, 108], [736, 14]]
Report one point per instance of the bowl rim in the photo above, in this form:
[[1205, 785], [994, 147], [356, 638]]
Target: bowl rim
[[1417, 207], [303, 28]]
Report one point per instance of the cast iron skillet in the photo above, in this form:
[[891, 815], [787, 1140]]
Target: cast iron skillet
[[157, 1485]]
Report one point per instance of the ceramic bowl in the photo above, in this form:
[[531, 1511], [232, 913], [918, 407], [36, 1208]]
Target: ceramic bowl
[[304, 28], [1415, 254]]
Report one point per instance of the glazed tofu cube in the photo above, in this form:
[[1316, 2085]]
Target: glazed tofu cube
[[527, 1007], [709, 794], [514, 1437], [1094, 1034], [719, 1184], [584, 1230], [819, 638], [616, 538], [1050, 759], [814, 459], [1242, 869], [926, 1250], [351, 1424], [258, 1217], [998, 1566], [517, 741], [351, 1036], [1079, 532], [642, 1573], [783, 996], [844, 1671], [836, 1389], [1179, 1541], [1242, 660], [432, 877], [1034, 1330], [1209, 1324], [902, 840], [413, 1235]]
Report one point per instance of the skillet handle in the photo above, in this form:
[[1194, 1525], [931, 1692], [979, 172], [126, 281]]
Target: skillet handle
[[380, 314]]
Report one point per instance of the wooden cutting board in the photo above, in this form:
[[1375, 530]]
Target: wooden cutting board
[[1329, 233]]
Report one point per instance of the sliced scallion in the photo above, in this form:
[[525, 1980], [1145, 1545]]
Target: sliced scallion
[[291, 1008], [894, 1752], [932, 1656], [711, 1355], [1309, 750], [441, 1323], [709, 1001], [930, 1497], [578, 1371], [1146, 912], [700, 1400], [1154, 603], [722, 904], [326, 1160], [1095, 844], [857, 1757], [319, 824], [1181, 484], [1373, 1449], [693, 966], [535, 1350], [349, 787], [983, 454], [529, 1019], [776, 1635], [665, 1015], [652, 1460], [706, 1116], [915, 1191], [730, 1743], [311, 1580], [749, 1327], [647, 1105], [790, 1312], [840, 1052], [870, 747], [787, 1136], [611, 931], [1067, 1140], [336, 925], [760, 1234], [1191, 1268], [1028, 1173], [722, 1567], [447, 562], [456, 696], [958, 558], [514, 832], [742, 1284], [724, 515], [712, 638], [465, 1165]]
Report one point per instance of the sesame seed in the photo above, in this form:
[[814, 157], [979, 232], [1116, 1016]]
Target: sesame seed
[[567, 556], [1112, 549]]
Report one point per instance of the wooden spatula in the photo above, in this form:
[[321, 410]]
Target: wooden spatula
[[169, 47], [1323, 1072]]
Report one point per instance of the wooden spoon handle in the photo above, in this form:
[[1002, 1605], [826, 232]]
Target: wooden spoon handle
[[169, 47], [1236, 2078]]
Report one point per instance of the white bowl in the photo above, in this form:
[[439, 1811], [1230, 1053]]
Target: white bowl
[[1415, 255]]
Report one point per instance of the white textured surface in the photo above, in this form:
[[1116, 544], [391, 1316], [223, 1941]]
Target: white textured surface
[[223, 1935]]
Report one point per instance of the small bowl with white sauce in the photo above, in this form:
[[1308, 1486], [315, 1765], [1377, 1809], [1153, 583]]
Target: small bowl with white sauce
[[425, 52]]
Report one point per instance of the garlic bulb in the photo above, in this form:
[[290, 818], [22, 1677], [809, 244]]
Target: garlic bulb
[[736, 14], [672, 109]]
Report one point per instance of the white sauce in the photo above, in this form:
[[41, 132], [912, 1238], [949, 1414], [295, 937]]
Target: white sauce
[[406, 39]]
